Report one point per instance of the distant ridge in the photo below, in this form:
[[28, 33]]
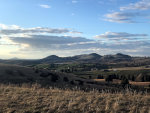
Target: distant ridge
[[83, 58], [93, 57]]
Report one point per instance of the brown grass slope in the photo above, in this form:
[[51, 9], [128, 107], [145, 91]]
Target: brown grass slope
[[14, 74], [34, 99]]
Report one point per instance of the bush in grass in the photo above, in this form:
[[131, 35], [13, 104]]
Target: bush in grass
[[66, 79], [108, 78], [54, 78], [90, 77], [81, 82], [72, 82], [124, 82], [44, 74], [36, 71]]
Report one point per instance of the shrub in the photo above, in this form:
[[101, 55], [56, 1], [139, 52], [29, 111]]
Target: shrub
[[124, 82], [108, 78], [90, 77], [72, 82], [36, 71], [80, 82], [65, 79], [44, 74], [133, 78], [54, 78]]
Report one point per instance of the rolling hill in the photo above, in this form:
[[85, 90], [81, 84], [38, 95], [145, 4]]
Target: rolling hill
[[85, 58]]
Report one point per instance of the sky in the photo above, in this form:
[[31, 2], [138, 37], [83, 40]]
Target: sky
[[32, 29]]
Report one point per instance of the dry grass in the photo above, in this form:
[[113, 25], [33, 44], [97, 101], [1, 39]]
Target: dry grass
[[34, 99]]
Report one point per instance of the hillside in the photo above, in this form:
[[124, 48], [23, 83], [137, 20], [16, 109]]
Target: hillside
[[14, 74]]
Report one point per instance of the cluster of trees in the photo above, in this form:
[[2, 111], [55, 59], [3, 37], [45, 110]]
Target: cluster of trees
[[138, 78], [125, 79]]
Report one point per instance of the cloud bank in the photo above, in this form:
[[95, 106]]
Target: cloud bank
[[39, 42]]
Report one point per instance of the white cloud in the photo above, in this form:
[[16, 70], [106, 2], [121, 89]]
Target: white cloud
[[120, 36], [131, 13], [124, 17], [14, 30], [3, 26], [141, 5], [45, 6]]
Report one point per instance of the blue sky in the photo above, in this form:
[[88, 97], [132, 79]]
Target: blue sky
[[38, 28]]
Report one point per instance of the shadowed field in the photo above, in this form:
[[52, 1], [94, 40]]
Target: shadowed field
[[26, 99]]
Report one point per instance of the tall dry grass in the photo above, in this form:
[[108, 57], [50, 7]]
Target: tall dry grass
[[34, 99]]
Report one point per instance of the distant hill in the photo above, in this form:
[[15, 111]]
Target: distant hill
[[92, 56], [78, 58], [84, 58], [117, 58]]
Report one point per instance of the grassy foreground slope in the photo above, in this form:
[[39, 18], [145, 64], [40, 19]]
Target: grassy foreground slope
[[34, 99]]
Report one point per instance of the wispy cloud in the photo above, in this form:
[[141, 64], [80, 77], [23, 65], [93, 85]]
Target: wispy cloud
[[45, 6], [72, 14], [131, 13], [141, 5], [14, 29], [123, 17], [120, 36], [74, 1]]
